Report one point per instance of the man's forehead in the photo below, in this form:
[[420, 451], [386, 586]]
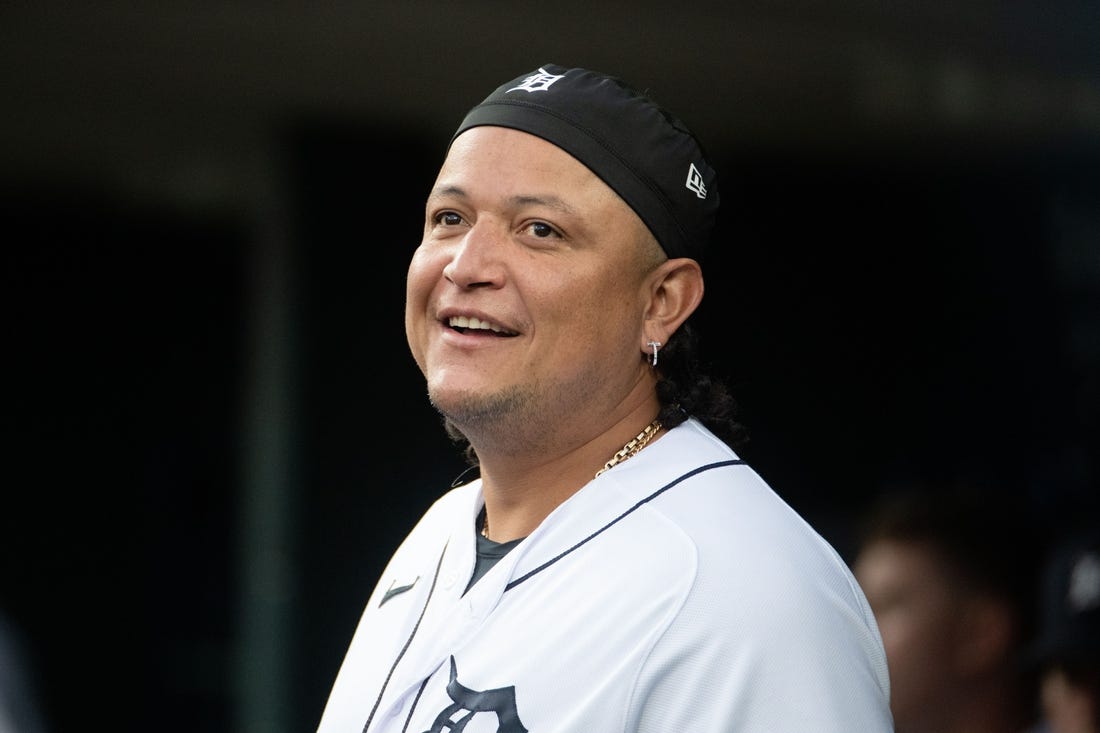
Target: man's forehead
[[518, 165], [492, 143]]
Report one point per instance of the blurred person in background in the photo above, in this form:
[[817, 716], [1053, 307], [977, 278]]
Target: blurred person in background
[[951, 577], [1068, 648]]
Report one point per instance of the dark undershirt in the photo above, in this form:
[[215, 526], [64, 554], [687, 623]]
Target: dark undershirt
[[489, 553]]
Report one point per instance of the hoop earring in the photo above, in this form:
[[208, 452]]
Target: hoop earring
[[654, 345]]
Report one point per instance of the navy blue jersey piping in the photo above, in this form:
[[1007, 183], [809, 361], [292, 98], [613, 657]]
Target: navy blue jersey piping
[[416, 701], [631, 510], [405, 648]]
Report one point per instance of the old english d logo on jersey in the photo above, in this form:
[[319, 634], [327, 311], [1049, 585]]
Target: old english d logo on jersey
[[501, 701], [539, 82]]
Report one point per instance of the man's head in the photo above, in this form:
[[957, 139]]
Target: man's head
[[949, 575], [555, 248]]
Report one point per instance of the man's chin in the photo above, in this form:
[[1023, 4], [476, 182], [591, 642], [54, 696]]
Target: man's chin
[[466, 408]]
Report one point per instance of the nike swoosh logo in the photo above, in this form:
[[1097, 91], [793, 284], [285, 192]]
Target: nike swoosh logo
[[396, 591]]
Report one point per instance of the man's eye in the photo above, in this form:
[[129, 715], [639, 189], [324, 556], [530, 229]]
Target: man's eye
[[448, 218], [542, 229]]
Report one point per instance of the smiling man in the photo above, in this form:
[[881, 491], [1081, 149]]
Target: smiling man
[[614, 565]]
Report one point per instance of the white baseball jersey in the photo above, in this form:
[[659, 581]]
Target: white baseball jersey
[[676, 592]]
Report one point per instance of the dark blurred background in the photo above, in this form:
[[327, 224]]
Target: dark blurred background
[[215, 435]]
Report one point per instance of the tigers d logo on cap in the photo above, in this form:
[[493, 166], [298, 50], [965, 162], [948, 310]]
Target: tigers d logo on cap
[[539, 82]]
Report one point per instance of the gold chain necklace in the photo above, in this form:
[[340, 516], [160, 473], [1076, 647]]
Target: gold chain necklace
[[638, 442], [635, 445]]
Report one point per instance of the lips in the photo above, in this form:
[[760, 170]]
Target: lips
[[467, 324]]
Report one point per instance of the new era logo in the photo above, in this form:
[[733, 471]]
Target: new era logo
[[695, 182], [539, 82]]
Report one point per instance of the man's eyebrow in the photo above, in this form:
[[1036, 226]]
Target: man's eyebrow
[[550, 201], [451, 190]]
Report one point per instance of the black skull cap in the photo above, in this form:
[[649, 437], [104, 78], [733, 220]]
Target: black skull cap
[[644, 153]]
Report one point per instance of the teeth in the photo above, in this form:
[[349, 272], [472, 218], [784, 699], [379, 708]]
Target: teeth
[[464, 322]]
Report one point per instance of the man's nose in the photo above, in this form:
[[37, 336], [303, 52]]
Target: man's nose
[[478, 258]]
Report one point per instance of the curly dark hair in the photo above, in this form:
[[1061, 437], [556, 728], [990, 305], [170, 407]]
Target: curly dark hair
[[683, 389]]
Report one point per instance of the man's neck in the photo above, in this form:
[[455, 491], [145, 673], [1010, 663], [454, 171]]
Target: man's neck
[[523, 489]]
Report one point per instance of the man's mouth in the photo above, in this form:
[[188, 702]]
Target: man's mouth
[[464, 324]]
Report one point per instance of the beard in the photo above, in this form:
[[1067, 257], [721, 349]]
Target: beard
[[501, 416], [516, 417]]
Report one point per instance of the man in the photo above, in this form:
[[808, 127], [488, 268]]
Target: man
[[615, 566], [951, 575]]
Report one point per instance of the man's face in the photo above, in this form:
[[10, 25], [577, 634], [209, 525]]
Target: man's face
[[525, 300], [917, 608]]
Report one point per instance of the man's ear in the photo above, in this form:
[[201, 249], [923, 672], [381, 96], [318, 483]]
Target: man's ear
[[676, 289]]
